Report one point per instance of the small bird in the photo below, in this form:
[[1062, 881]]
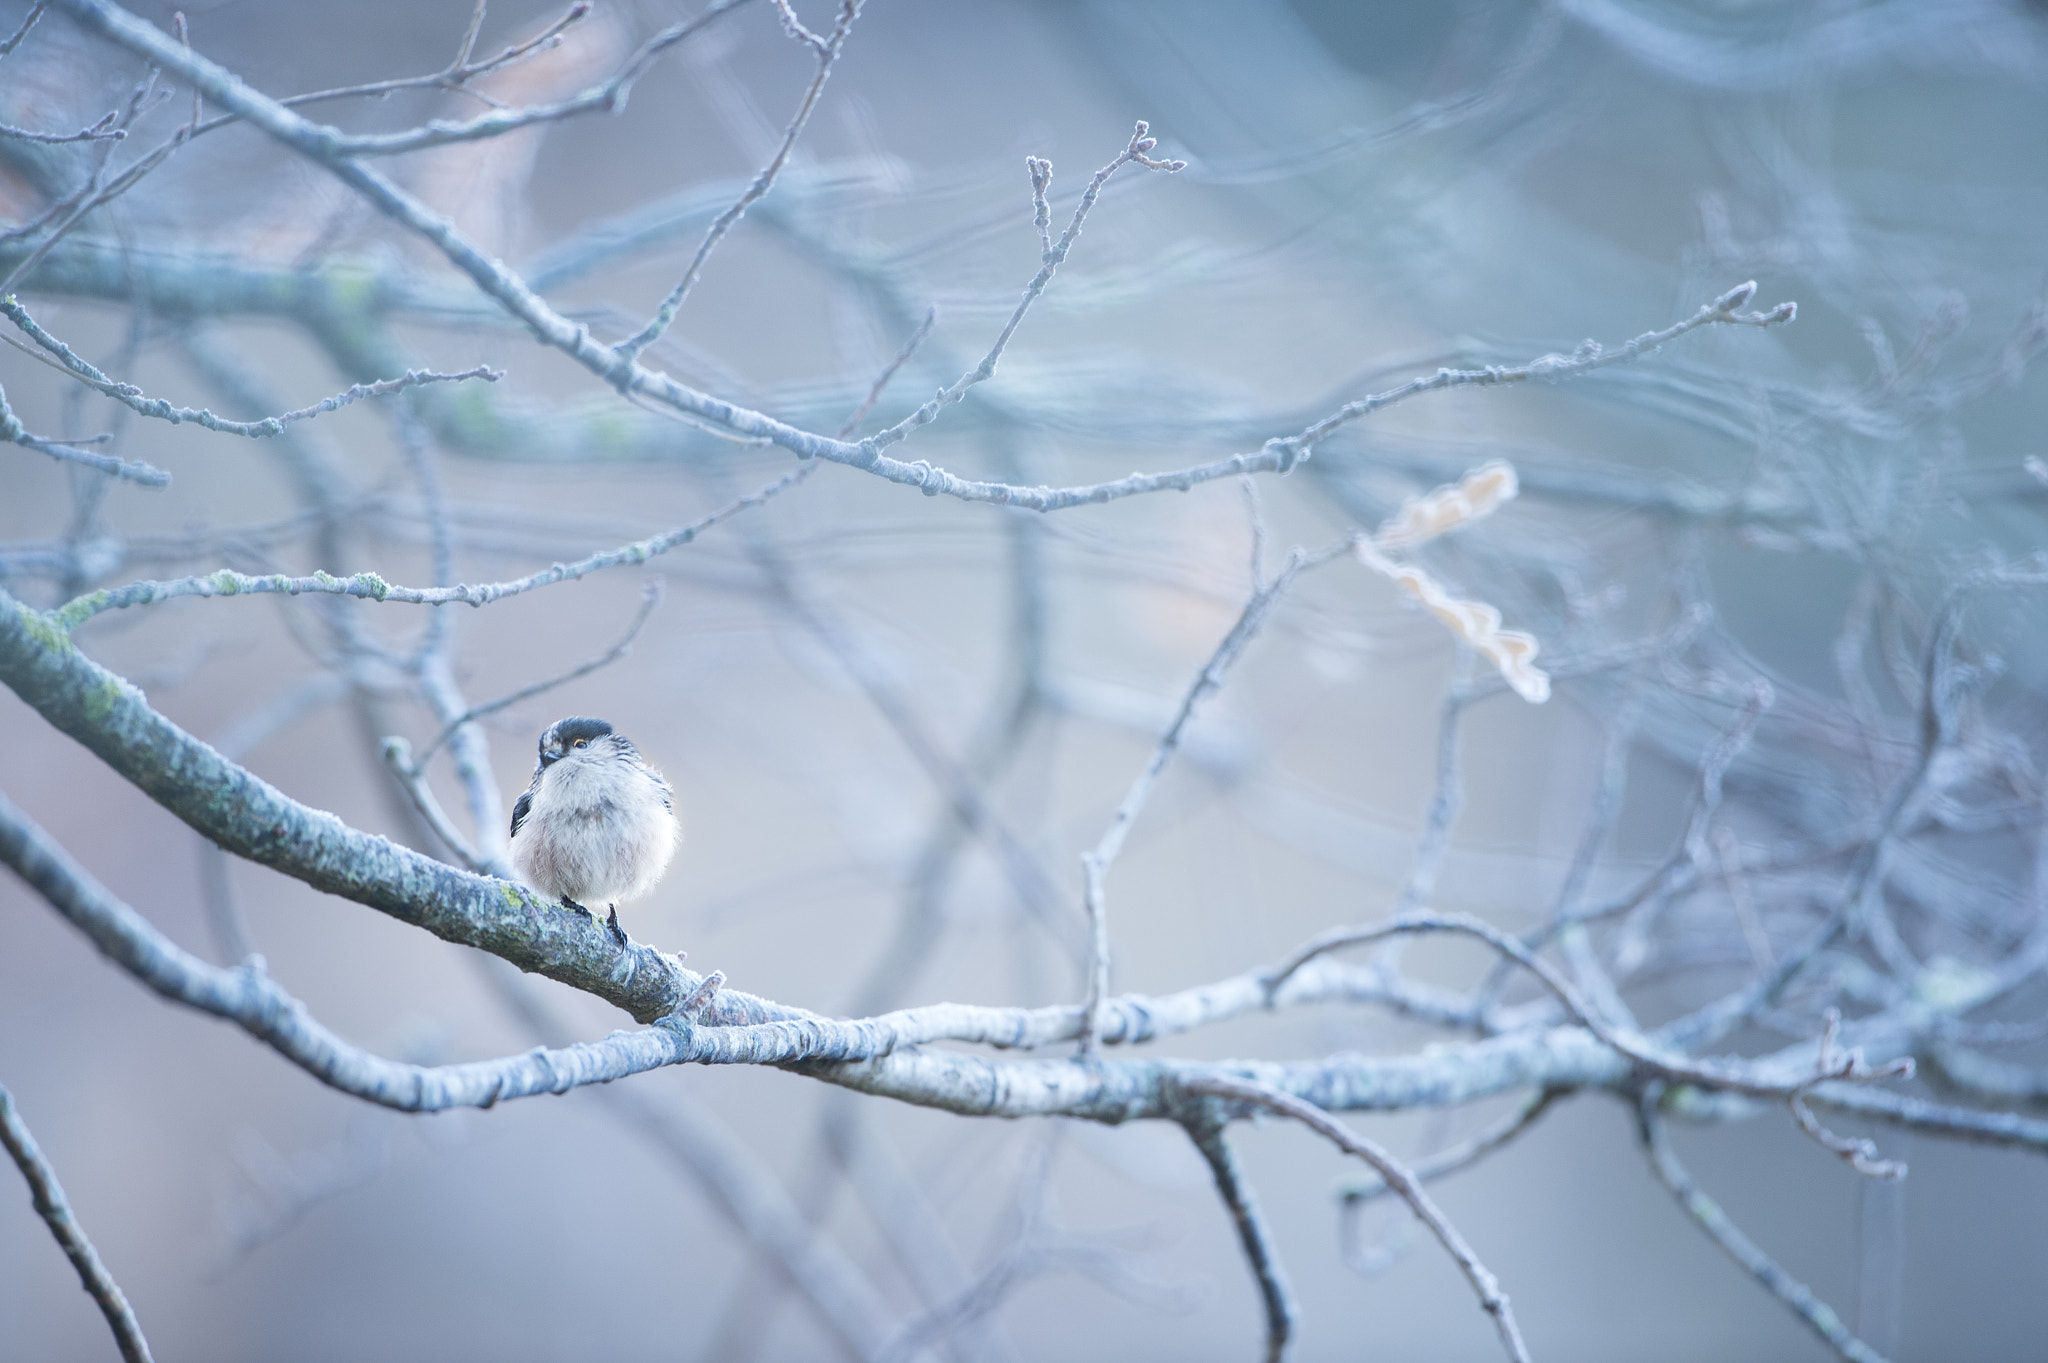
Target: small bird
[[598, 825]]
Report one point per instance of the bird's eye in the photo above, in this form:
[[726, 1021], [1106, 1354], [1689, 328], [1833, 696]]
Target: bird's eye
[[582, 742]]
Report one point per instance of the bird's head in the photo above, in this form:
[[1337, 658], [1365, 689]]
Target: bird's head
[[566, 737]]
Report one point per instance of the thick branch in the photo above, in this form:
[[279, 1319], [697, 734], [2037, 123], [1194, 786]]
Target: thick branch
[[253, 819]]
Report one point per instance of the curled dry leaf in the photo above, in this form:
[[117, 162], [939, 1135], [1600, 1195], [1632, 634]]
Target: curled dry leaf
[[1420, 519]]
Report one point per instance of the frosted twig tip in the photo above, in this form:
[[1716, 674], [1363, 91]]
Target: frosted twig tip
[[1735, 297]]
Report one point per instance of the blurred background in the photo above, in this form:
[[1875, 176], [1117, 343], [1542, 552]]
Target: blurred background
[[830, 680]]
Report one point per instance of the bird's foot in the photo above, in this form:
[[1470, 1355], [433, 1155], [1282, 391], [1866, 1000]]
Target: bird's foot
[[613, 923], [572, 905]]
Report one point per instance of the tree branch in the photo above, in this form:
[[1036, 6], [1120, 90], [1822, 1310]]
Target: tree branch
[[55, 1209], [1707, 1214], [1211, 1137], [1491, 1299]]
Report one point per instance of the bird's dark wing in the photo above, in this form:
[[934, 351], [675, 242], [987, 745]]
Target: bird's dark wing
[[520, 810]]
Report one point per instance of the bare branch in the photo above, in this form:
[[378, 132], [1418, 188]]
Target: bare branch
[[827, 50], [881, 383], [128, 470], [1588, 357], [1095, 864], [650, 597], [1212, 1138], [35, 12], [2007, 1129], [1674, 1068], [610, 96], [1707, 1214], [326, 147], [370, 587], [1491, 1299], [1463, 1155], [1056, 254], [131, 397], [55, 1209], [102, 131]]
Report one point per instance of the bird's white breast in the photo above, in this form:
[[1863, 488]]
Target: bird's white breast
[[599, 832]]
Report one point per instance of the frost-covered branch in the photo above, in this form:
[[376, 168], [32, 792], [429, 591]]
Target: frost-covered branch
[[55, 1209]]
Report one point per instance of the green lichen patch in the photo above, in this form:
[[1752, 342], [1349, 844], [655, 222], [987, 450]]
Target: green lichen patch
[[76, 611], [46, 630]]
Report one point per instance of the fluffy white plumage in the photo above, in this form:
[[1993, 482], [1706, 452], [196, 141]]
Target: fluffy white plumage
[[597, 826]]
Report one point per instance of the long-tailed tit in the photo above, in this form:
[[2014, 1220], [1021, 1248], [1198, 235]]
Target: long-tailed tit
[[597, 825]]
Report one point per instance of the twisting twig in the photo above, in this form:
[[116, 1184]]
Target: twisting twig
[[55, 1209], [1491, 1299], [1211, 1136], [827, 50], [1040, 171], [1707, 1214], [1476, 495]]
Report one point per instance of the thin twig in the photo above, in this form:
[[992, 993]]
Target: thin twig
[[369, 586], [453, 76], [101, 131], [35, 12], [55, 1209], [902, 357], [1462, 1155], [827, 50], [1707, 1214], [133, 398], [128, 470], [1095, 863], [650, 597], [325, 147], [1136, 150], [1491, 1299], [1212, 1138], [609, 96]]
